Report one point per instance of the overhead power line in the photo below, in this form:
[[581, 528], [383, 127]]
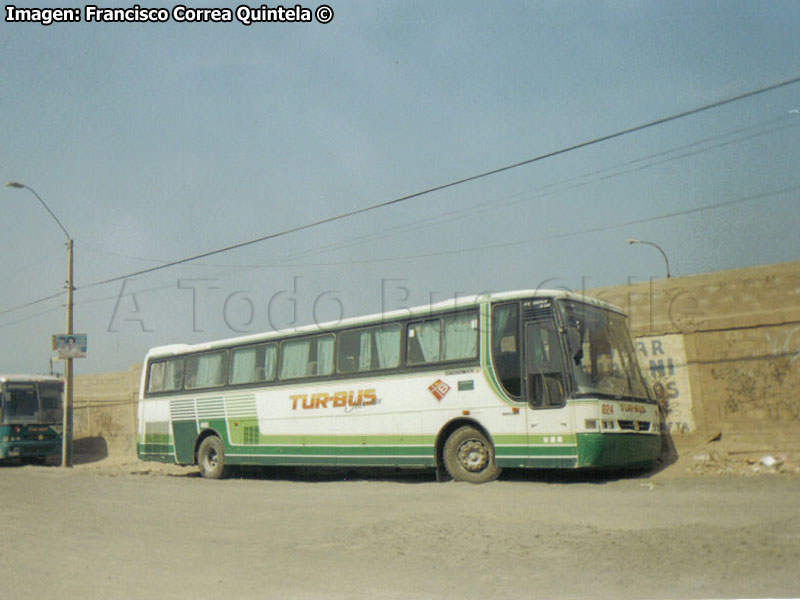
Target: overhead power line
[[407, 197], [549, 237], [481, 248], [444, 186], [706, 144], [32, 303]]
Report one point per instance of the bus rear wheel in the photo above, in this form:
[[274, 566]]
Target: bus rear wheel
[[469, 456], [211, 458]]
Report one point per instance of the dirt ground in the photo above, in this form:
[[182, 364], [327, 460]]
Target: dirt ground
[[126, 529]]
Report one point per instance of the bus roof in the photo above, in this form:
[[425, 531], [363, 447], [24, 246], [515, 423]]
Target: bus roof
[[459, 302], [16, 377]]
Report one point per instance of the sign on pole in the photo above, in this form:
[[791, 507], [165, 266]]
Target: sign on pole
[[72, 345]]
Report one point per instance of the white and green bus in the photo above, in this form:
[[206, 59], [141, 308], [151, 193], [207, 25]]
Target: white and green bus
[[531, 379]]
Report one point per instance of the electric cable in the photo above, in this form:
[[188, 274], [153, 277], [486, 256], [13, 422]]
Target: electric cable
[[407, 197], [444, 186]]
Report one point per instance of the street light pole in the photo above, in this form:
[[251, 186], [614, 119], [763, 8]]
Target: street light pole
[[66, 436], [654, 245]]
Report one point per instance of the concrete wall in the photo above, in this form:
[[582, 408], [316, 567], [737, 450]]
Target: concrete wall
[[725, 348], [104, 413]]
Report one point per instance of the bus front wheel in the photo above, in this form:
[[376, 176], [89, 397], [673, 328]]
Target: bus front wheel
[[211, 458], [469, 456]]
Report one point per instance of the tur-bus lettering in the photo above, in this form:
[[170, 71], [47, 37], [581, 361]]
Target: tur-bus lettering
[[335, 400]]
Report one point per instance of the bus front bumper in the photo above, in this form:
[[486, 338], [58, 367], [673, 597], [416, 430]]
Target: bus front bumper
[[30, 449], [618, 450]]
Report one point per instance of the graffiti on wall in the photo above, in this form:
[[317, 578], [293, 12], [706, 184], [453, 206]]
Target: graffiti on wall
[[663, 361], [785, 344], [762, 385]]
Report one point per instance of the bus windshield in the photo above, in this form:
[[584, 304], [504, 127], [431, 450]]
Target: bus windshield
[[51, 396], [601, 355], [22, 403]]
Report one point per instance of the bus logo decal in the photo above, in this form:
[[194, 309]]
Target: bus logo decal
[[343, 399], [439, 389]]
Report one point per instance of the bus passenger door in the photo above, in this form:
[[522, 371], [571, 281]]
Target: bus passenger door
[[512, 446], [545, 387]]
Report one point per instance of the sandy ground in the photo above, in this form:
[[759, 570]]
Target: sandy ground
[[125, 529]]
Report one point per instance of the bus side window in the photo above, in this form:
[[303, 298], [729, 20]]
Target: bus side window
[[414, 354], [369, 349], [253, 364], [449, 338], [307, 357], [165, 375], [460, 336], [206, 370], [424, 342], [506, 348]]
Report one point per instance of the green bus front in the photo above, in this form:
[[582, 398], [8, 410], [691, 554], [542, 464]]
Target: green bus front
[[572, 365], [31, 414]]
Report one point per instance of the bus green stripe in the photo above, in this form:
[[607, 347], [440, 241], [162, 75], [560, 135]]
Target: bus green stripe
[[311, 450], [349, 440]]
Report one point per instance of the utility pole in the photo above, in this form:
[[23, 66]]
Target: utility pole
[[66, 436]]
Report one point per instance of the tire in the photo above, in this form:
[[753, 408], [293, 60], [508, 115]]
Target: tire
[[469, 456], [211, 458]]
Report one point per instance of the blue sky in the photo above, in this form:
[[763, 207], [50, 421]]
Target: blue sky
[[156, 142]]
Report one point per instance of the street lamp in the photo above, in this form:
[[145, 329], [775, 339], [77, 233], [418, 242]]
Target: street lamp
[[66, 436], [656, 246]]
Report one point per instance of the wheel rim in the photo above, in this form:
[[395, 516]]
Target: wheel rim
[[473, 455], [212, 459]]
